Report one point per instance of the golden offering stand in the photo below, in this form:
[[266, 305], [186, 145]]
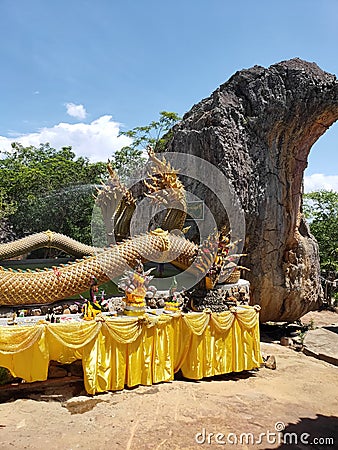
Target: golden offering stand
[[135, 302]]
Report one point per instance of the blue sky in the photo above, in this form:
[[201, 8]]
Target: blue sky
[[76, 71]]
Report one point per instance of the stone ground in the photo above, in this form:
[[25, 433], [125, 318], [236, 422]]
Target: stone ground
[[300, 396]]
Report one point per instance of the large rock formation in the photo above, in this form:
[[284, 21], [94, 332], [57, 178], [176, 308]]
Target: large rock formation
[[258, 128]]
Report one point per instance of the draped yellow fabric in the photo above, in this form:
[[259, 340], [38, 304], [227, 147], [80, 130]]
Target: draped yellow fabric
[[130, 351], [18, 339]]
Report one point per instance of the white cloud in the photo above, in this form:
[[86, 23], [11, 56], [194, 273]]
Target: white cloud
[[97, 140], [78, 111], [318, 181]]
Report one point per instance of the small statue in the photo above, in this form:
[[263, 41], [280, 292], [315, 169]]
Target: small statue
[[174, 301], [12, 320], [135, 284], [173, 287], [92, 307]]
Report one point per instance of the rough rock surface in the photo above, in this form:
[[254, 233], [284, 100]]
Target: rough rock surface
[[258, 128]]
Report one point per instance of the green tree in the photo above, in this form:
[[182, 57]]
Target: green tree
[[157, 134], [44, 188], [6, 207], [321, 210], [127, 161]]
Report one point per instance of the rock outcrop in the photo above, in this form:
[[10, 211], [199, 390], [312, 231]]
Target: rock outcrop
[[258, 128]]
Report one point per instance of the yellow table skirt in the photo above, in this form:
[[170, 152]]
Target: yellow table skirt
[[130, 351]]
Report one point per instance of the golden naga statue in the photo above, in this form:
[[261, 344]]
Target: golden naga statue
[[48, 285]]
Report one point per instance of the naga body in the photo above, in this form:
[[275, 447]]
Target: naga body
[[19, 287], [59, 282]]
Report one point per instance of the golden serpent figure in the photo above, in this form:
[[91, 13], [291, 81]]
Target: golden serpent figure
[[28, 287], [49, 285], [47, 239], [18, 287]]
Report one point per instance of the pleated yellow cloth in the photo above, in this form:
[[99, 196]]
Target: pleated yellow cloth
[[130, 351]]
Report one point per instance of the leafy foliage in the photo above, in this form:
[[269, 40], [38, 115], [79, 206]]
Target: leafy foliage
[[127, 161], [154, 133], [321, 210], [44, 188], [131, 158]]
